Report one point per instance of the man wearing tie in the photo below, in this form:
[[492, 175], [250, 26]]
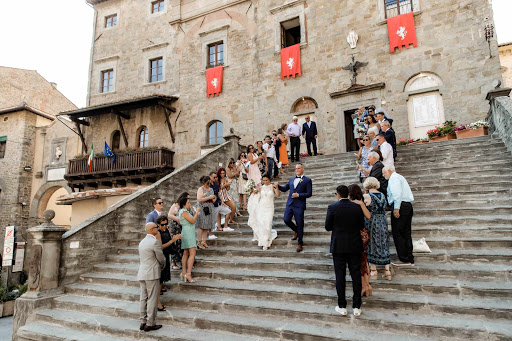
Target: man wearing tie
[[301, 188], [294, 132], [311, 134]]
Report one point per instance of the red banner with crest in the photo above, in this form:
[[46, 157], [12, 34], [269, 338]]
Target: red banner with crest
[[290, 61], [214, 81], [401, 31]]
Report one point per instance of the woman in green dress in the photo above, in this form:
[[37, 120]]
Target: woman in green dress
[[188, 240]]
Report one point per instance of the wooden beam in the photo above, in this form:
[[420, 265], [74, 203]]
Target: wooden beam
[[165, 105], [169, 126], [122, 130], [82, 122], [122, 114], [82, 138]]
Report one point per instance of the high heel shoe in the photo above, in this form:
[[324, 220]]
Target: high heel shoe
[[373, 274], [200, 245], [188, 278], [387, 275], [204, 245], [182, 277]]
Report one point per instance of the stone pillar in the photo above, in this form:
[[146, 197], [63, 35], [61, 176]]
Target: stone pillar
[[45, 244], [235, 144]]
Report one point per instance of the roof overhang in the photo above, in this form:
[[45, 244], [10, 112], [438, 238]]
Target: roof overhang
[[95, 2], [121, 106], [26, 107]]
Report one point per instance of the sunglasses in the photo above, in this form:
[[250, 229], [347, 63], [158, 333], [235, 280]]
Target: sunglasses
[[164, 224], [160, 203], [366, 140], [231, 163]]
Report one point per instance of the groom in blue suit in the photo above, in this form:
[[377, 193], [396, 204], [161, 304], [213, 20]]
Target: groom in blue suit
[[300, 188]]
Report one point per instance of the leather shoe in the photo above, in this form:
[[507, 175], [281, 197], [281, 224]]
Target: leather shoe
[[150, 328], [142, 326], [295, 236], [299, 248]]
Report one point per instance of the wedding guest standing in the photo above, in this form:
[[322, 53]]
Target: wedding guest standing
[[362, 156], [381, 116], [233, 173], [225, 198], [206, 220], [375, 171], [166, 239], [188, 243], [254, 171], [377, 225], [283, 152], [270, 151], [158, 205], [386, 151], [346, 221], [242, 180], [373, 138], [152, 261], [175, 228], [400, 198], [310, 132], [295, 132], [277, 144], [389, 135], [356, 195]]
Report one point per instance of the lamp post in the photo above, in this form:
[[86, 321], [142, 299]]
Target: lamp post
[[489, 34]]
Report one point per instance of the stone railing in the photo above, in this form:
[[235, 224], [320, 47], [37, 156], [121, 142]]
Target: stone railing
[[90, 242], [500, 119]]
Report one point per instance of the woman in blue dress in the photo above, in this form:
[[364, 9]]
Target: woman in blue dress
[[377, 225]]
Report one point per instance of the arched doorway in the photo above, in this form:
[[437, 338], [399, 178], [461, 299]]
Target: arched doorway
[[46, 198], [302, 107]]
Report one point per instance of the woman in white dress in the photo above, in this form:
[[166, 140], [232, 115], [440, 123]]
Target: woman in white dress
[[261, 212]]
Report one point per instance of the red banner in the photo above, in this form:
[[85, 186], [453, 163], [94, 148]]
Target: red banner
[[401, 31], [214, 81], [290, 61]]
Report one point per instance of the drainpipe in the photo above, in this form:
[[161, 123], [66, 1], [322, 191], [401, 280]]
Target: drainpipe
[[88, 100]]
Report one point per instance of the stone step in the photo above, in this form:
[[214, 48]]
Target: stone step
[[250, 326], [38, 331], [182, 306], [128, 327]]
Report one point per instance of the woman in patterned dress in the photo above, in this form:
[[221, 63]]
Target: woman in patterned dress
[[225, 198], [254, 171], [206, 219], [364, 151], [262, 165], [175, 228], [242, 180], [377, 225], [233, 173], [355, 194]]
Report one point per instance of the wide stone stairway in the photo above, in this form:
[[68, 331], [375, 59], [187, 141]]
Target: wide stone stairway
[[462, 290]]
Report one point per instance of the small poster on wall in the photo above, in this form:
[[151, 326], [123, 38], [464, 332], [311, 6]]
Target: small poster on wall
[[426, 111]]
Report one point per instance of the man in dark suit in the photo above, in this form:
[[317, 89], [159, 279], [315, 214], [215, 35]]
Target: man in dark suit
[[311, 134], [346, 220], [301, 188], [158, 204], [376, 172], [389, 135]]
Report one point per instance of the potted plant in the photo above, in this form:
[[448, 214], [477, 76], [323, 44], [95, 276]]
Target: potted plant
[[419, 140], [443, 133], [404, 142], [478, 128], [7, 297]]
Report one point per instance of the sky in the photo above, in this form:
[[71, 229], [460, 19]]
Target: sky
[[54, 37]]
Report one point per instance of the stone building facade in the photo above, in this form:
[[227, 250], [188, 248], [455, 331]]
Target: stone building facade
[[35, 148], [505, 51], [449, 72]]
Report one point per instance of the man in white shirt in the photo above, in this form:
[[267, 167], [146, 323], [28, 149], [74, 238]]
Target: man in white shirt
[[270, 149], [295, 132], [386, 150]]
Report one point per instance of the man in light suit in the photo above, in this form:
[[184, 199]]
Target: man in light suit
[[152, 261], [301, 188], [346, 220], [310, 132]]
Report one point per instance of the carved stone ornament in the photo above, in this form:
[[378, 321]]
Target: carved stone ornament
[[352, 39]]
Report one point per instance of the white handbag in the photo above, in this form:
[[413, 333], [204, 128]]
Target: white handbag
[[420, 245]]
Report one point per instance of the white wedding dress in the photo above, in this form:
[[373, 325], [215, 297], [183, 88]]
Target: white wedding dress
[[261, 213]]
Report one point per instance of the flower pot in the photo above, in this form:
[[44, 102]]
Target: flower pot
[[443, 138], [480, 131], [419, 142], [8, 308]]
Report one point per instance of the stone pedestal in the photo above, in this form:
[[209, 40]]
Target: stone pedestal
[[45, 244]]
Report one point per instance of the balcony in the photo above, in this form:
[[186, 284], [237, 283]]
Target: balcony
[[135, 166]]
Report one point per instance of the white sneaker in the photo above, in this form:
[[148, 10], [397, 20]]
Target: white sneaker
[[402, 264], [228, 229], [342, 311], [212, 236], [357, 311]]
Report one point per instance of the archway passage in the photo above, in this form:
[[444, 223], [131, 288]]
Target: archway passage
[[62, 212], [302, 108], [46, 198]]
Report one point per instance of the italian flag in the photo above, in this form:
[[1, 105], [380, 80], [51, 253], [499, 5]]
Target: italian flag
[[91, 155]]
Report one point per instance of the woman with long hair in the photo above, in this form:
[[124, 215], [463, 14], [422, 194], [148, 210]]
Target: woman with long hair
[[254, 171], [188, 243], [175, 228], [362, 156], [225, 198], [233, 175], [242, 180], [206, 220], [283, 152], [355, 194]]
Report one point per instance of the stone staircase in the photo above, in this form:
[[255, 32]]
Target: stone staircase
[[462, 290]]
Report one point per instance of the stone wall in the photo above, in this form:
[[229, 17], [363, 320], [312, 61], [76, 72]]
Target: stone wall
[[505, 51], [254, 100], [96, 236], [500, 119]]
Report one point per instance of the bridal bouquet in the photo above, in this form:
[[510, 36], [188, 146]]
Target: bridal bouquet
[[249, 186]]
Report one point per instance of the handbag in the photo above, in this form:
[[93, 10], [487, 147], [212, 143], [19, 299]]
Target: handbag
[[206, 210], [420, 245], [244, 176]]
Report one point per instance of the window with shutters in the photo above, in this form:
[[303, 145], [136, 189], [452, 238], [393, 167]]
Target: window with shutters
[[215, 54], [290, 32]]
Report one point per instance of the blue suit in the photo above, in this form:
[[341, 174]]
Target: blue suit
[[152, 217], [295, 207], [309, 133]]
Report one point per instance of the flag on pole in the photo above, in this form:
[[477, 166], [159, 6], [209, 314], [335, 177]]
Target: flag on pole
[[91, 155], [108, 152]]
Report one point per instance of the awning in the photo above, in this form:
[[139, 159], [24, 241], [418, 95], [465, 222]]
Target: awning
[[3, 138]]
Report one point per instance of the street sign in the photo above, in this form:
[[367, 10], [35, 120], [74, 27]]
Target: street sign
[[20, 256], [8, 246]]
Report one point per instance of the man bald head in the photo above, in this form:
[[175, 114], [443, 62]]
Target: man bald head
[[151, 229]]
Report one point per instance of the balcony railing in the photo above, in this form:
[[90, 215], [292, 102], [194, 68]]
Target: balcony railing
[[130, 166]]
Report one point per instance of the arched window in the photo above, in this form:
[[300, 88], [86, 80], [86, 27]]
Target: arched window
[[116, 140], [143, 137], [425, 103], [215, 133]]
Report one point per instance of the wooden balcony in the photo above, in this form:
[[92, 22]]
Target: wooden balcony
[[137, 166]]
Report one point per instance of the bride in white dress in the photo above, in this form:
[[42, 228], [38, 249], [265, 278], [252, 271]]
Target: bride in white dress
[[261, 212]]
